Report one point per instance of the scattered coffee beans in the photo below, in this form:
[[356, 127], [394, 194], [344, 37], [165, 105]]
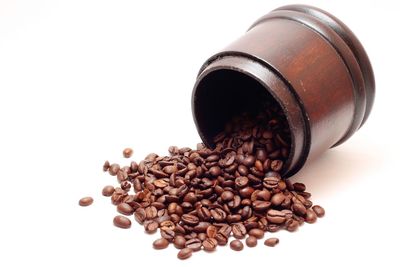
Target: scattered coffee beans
[[271, 242], [199, 198], [86, 201]]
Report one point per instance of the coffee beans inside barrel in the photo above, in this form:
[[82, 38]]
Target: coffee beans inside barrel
[[200, 198]]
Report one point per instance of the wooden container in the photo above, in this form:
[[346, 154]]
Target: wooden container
[[309, 62]]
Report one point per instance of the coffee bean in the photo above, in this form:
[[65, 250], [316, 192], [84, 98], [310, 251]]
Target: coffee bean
[[160, 243], [194, 244], [319, 211], [122, 222], [211, 231], [127, 153], [257, 233], [227, 196], [251, 241], [140, 215], [85, 201], [150, 227], [185, 253], [106, 166], [167, 225], [277, 199], [299, 187], [249, 161], [125, 209], [259, 205], [276, 216], [108, 190], [210, 244], [271, 242], [179, 242], [276, 165], [190, 219], [239, 231], [241, 181], [215, 171], [311, 216], [271, 180], [292, 225], [114, 169], [168, 234], [299, 209], [236, 245]]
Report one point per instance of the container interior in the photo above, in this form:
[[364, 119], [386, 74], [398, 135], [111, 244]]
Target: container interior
[[223, 94]]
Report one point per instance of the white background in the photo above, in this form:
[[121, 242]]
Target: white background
[[80, 80]]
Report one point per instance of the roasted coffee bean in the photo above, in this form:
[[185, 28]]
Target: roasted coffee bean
[[319, 211], [122, 222], [299, 187], [260, 205], [150, 227], [167, 225], [204, 214], [292, 225], [179, 242], [210, 244], [227, 196], [221, 239], [236, 245], [239, 231], [211, 231], [249, 161], [271, 242], [168, 234], [185, 253], [202, 236], [251, 241], [299, 209], [190, 219], [201, 227], [127, 153], [241, 181], [277, 199], [85, 201], [276, 216], [218, 214], [106, 166], [125, 209], [257, 233], [151, 212], [311, 216], [215, 171], [160, 243], [140, 215], [271, 180], [276, 165], [194, 244], [113, 169], [108, 190]]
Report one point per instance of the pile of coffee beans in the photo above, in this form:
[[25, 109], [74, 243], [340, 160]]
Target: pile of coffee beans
[[200, 198]]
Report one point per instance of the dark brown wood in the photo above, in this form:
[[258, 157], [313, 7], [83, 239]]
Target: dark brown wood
[[305, 58]]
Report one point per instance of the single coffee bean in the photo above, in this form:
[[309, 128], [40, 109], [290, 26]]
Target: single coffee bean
[[211, 231], [311, 216], [150, 227], [108, 190], [179, 242], [127, 153], [190, 219], [257, 233], [260, 205], [125, 209], [167, 225], [239, 231], [249, 161], [299, 209], [185, 253], [276, 165], [106, 166], [276, 216], [140, 215], [271, 180], [160, 243], [319, 211], [210, 244], [122, 222], [114, 169], [292, 225], [299, 187], [236, 245], [215, 171], [85, 201], [251, 241], [271, 242], [194, 244], [227, 196], [277, 199]]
